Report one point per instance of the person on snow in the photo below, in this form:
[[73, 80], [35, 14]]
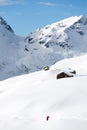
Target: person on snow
[[47, 118]]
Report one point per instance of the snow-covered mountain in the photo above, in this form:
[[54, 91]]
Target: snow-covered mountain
[[66, 34], [45, 46], [9, 49], [26, 101]]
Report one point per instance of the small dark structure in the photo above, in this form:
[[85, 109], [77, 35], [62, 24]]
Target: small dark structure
[[64, 75], [73, 72], [46, 68]]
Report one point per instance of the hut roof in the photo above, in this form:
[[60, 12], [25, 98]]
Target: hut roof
[[64, 74]]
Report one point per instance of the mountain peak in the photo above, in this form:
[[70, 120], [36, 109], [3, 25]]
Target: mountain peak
[[82, 16], [72, 20], [59, 34], [82, 19], [4, 23]]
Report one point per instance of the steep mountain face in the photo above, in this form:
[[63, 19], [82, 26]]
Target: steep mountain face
[[69, 34], [9, 48], [45, 46], [3, 23], [63, 39]]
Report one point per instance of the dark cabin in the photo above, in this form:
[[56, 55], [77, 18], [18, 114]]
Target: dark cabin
[[64, 75]]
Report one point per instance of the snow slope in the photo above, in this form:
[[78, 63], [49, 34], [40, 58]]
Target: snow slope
[[45, 46], [26, 101]]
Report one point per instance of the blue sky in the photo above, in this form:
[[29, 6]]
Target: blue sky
[[25, 16]]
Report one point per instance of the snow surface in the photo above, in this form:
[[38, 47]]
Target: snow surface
[[45, 46], [26, 101]]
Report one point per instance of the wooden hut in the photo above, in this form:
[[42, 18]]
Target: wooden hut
[[64, 75]]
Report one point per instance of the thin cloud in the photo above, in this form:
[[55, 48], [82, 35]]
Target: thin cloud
[[47, 3], [10, 2]]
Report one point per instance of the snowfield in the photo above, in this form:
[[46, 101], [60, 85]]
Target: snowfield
[[26, 101]]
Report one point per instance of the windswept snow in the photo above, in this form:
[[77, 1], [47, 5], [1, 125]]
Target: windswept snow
[[26, 101]]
